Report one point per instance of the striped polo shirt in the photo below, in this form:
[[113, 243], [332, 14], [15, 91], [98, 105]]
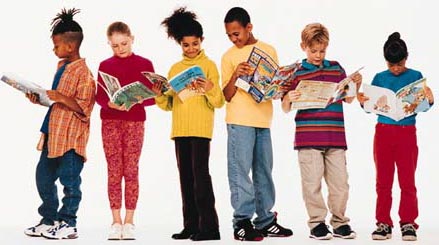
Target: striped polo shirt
[[320, 128]]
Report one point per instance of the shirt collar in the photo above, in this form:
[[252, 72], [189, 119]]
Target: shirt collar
[[310, 66]]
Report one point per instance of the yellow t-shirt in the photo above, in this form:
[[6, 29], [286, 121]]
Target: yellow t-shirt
[[243, 109]]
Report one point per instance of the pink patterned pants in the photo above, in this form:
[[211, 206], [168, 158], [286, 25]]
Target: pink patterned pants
[[123, 142]]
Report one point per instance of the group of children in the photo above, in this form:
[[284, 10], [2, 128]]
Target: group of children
[[319, 136]]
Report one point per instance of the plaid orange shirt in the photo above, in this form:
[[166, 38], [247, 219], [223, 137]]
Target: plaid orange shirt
[[68, 129]]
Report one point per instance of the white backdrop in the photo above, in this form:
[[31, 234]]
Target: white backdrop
[[357, 29]]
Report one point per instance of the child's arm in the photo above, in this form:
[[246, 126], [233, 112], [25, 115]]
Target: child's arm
[[230, 89], [67, 101], [291, 96]]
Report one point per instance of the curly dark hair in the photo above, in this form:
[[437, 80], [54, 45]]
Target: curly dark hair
[[395, 48], [182, 23]]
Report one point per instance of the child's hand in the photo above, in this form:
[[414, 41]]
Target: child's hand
[[361, 98], [243, 68], [293, 95], [116, 107], [286, 86], [204, 84], [357, 78], [156, 88], [34, 98], [429, 95]]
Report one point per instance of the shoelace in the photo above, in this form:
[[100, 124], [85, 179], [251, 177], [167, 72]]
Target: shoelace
[[382, 227], [408, 227]]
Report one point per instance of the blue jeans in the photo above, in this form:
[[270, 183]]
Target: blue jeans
[[68, 169], [249, 148]]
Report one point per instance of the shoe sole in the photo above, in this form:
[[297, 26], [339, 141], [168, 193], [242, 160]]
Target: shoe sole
[[60, 238], [258, 239], [327, 237], [350, 236], [380, 237], [409, 238]]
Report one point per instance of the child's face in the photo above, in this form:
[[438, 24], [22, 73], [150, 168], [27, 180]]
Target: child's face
[[397, 68], [239, 35], [61, 48], [121, 44], [315, 53], [191, 46]]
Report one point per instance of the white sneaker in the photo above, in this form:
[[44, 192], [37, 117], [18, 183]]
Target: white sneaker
[[115, 232], [37, 230], [62, 231], [128, 232]]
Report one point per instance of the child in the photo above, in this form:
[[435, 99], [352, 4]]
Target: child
[[192, 126], [122, 129], [65, 132], [249, 140], [395, 144], [320, 139]]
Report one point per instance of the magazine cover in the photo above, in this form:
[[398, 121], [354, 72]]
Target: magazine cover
[[264, 70], [184, 83], [27, 87], [128, 95], [283, 75], [405, 102]]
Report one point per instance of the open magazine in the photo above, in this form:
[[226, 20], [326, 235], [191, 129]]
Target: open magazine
[[319, 94], [267, 78], [27, 87], [128, 95], [183, 83], [405, 102]]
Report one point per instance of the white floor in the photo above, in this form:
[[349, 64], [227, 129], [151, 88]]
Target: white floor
[[161, 235]]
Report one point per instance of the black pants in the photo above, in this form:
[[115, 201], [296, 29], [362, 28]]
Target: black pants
[[199, 212]]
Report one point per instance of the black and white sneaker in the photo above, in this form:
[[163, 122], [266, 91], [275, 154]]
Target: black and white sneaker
[[62, 231], [275, 230], [382, 232], [344, 232], [321, 232], [408, 232], [245, 231]]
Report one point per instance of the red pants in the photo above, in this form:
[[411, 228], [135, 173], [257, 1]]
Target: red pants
[[395, 146], [123, 142]]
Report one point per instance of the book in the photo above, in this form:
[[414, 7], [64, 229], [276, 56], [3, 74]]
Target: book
[[183, 83], [403, 103], [27, 87], [266, 79], [128, 95]]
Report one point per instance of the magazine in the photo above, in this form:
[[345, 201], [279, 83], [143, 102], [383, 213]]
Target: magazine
[[266, 79], [128, 95], [27, 87], [183, 83], [405, 102], [319, 94]]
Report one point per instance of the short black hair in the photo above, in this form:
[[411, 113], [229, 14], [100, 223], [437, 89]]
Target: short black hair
[[63, 24], [237, 14], [395, 48], [182, 23]]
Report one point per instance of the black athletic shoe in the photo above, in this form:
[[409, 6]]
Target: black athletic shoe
[[344, 232], [246, 231], [321, 232]]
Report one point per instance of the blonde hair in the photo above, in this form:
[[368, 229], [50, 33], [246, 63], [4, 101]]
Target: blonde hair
[[119, 27], [315, 33]]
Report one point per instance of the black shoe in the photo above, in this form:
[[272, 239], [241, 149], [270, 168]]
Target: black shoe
[[184, 234], [382, 232], [275, 230], [321, 232], [408, 232], [206, 235], [344, 232], [246, 231]]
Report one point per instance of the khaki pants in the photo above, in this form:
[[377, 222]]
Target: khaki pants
[[330, 164]]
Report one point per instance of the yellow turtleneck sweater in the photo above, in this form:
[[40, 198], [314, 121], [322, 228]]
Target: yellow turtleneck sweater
[[195, 116]]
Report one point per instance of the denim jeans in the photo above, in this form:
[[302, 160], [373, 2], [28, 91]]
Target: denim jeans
[[249, 149], [67, 168]]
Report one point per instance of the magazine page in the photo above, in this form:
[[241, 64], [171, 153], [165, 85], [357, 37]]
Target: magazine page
[[381, 101], [258, 82], [313, 94], [27, 87], [412, 97], [156, 78], [184, 83], [131, 94], [112, 84], [345, 88], [283, 75]]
